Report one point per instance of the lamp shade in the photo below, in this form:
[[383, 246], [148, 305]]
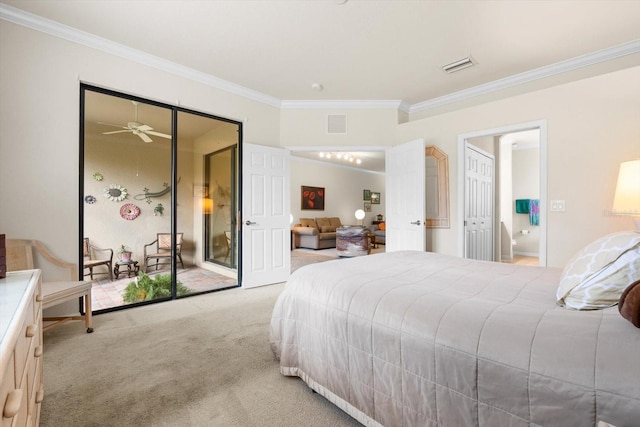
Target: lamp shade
[[207, 206], [627, 198], [359, 214]]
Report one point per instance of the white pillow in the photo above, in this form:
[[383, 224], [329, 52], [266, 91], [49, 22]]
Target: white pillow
[[597, 275]]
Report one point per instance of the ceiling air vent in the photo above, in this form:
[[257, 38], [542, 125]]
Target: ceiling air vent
[[459, 65], [337, 123]]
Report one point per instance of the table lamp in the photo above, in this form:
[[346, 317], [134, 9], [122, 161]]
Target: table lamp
[[627, 198], [360, 216]]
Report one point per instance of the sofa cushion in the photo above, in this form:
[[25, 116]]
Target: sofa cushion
[[322, 222], [307, 231], [335, 222], [327, 229], [308, 222], [327, 236]]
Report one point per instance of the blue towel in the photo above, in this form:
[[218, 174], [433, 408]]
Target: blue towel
[[522, 205], [534, 212]]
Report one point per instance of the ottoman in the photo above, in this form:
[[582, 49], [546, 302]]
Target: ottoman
[[352, 240]]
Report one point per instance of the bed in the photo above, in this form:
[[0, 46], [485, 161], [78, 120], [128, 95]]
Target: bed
[[422, 339]]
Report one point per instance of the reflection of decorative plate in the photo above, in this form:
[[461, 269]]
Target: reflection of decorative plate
[[97, 176], [115, 193], [90, 199], [129, 211]]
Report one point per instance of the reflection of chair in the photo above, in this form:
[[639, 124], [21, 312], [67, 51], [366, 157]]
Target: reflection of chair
[[90, 262], [162, 250], [20, 257], [227, 235]]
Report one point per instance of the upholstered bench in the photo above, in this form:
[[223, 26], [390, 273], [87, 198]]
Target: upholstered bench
[[352, 240]]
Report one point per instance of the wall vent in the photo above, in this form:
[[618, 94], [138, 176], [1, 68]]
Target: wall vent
[[337, 123]]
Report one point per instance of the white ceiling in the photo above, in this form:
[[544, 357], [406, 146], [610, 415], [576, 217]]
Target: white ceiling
[[358, 50]]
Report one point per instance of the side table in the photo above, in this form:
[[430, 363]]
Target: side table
[[132, 268]]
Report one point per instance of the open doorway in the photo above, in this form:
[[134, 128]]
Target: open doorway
[[519, 179]]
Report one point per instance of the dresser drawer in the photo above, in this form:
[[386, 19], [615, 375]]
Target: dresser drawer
[[7, 385], [29, 335], [37, 303], [34, 380], [21, 350]]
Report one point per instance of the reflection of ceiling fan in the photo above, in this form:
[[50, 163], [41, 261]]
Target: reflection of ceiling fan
[[136, 128]]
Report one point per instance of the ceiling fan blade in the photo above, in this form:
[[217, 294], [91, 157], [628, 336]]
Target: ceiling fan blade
[[116, 131], [162, 135], [144, 137]]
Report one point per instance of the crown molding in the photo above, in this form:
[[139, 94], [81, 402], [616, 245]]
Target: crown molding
[[338, 165], [342, 104], [53, 28], [624, 49], [38, 23]]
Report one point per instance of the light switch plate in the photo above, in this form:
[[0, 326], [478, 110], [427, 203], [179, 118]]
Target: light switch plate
[[557, 206]]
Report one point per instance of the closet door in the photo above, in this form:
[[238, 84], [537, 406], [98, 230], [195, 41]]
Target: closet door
[[478, 191]]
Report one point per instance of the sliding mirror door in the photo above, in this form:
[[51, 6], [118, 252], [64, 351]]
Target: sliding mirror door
[[153, 203], [207, 200]]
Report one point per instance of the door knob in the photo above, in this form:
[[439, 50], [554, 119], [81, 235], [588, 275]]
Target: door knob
[[416, 222], [249, 222]]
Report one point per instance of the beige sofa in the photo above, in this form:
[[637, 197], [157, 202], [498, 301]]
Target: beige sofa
[[316, 233]]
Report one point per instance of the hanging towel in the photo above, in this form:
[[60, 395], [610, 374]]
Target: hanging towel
[[534, 212], [522, 205]]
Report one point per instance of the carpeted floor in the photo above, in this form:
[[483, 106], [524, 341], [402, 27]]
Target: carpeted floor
[[300, 258], [200, 361]]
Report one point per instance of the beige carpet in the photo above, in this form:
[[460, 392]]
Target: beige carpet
[[199, 361], [300, 258]]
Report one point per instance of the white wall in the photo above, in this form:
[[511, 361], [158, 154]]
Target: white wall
[[526, 185], [366, 127], [343, 190], [593, 125], [506, 199]]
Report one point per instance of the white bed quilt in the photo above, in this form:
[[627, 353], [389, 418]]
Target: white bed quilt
[[422, 339]]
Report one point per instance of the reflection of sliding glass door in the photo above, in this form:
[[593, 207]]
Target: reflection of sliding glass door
[[219, 218], [146, 190]]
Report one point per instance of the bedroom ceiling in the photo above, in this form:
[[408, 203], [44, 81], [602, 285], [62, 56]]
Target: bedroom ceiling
[[357, 50]]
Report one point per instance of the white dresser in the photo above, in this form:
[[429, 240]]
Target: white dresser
[[21, 390]]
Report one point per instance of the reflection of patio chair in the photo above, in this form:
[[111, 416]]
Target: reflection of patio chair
[[227, 235], [162, 250], [91, 262], [20, 255]]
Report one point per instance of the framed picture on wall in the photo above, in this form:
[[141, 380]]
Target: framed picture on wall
[[375, 198], [200, 190], [367, 206], [366, 195], [312, 198]]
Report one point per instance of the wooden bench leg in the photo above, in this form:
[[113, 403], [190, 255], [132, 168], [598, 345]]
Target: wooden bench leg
[[88, 319]]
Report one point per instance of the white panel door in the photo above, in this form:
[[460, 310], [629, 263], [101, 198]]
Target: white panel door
[[405, 206], [478, 204], [266, 205]]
